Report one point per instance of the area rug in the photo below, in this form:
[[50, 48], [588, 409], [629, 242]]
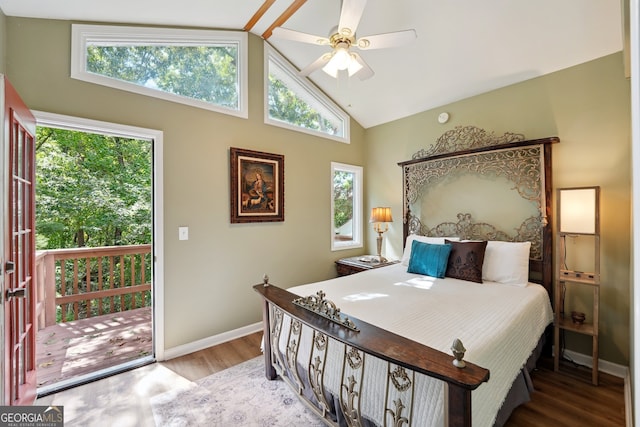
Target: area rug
[[238, 396]]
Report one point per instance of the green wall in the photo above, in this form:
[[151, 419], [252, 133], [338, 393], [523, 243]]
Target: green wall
[[588, 108], [208, 278]]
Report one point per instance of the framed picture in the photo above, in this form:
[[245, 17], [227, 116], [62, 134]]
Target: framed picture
[[257, 186]]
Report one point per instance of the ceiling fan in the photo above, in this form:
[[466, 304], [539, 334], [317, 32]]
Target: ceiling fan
[[342, 38]]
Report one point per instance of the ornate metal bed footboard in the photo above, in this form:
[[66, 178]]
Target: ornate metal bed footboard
[[372, 373]]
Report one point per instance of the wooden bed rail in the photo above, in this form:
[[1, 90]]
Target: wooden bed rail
[[381, 344]]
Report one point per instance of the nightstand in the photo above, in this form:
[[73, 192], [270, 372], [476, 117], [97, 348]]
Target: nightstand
[[356, 264]]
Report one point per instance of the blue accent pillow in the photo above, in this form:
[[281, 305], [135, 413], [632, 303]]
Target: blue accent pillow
[[429, 259]]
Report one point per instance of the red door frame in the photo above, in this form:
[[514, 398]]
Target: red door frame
[[19, 128]]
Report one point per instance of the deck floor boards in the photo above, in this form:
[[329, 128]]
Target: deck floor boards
[[67, 350]]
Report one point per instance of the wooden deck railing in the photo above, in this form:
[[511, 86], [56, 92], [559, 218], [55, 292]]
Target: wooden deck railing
[[82, 282]]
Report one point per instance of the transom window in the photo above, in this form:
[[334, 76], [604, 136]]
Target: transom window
[[346, 206], [295, 103], [206, 69]]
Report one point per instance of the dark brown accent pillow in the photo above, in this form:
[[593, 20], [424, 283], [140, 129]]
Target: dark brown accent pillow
[[465, 260]]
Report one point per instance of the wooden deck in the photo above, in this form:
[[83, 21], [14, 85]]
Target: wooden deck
[[67, 350]]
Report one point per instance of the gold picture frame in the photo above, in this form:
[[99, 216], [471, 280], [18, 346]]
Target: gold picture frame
[[257, 186]]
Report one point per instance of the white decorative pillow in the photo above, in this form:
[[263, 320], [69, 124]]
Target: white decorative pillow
[[507, 263], [406, 255]]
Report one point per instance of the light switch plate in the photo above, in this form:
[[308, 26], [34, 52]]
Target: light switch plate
[[183, 233]]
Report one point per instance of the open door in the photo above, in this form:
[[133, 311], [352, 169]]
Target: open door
[[18, 291]]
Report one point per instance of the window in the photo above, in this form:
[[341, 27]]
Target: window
[[346, 206], [295, 103], [205, 69]]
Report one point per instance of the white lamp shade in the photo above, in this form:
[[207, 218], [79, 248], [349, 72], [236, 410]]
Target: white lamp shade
[[354, 66], [341, 58], [578, 210], [331, 69]]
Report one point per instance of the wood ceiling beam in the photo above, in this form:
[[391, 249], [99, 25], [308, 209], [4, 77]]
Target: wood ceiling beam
[[283, 17], [259, 14]]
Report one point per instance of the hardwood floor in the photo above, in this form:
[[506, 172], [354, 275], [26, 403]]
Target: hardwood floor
[[566, 399], [214, 359], [569, 399]]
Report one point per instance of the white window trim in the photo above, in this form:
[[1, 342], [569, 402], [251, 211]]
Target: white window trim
[[83, 34], [316, 98], [358, 212]]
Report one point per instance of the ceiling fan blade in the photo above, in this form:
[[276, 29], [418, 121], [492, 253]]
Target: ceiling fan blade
[[297, 36], [381, 41], [315, 65], [365, 72], [350, 16]]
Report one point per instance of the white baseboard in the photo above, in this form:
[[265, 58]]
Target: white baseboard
[[610, 368], [181, 350]]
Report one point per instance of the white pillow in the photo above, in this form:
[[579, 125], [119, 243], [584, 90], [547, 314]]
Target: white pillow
[[507, 263], [406, 255]]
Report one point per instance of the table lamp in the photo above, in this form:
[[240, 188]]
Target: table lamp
[[380, 217]]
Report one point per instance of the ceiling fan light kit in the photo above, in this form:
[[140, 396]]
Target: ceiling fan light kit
[[334, 67], [342, 38], [341, 56], [341, 59]]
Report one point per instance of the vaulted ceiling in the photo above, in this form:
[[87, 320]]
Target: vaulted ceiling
[[463, 48]]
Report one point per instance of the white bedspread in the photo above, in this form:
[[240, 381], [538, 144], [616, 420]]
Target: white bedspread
[[499, 325]]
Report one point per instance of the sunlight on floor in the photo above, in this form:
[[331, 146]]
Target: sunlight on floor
[[119, 400], [155, 379]]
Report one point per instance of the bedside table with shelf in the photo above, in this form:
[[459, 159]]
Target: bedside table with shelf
[[564, 321], [356, 264]]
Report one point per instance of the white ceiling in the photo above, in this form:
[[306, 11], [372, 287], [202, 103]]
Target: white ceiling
[[463, 48]]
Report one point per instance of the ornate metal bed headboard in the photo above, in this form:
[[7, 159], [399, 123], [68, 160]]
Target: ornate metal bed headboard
[[474, 185]]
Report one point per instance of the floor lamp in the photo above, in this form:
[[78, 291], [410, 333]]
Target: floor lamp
[[578, 215]]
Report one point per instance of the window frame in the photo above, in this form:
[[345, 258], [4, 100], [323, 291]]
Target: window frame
[[318, 97], [358, 213], [82, 35]]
